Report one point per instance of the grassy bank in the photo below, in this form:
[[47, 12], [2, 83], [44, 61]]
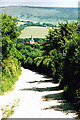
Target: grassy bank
[[10, 71], [11, 67]]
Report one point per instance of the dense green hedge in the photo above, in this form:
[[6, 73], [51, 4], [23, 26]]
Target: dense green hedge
[[11, 66], [11, 70]]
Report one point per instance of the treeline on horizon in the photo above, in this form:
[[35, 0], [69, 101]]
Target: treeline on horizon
[[57, 56], [30, 23], [25, 40]]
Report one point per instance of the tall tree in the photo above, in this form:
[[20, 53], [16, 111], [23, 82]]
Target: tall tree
[[9, 33]]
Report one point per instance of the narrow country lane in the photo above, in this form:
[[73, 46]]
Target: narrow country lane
[[39, 98]]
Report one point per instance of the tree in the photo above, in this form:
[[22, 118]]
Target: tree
[[11, 67], [58, 37], [9, 33]]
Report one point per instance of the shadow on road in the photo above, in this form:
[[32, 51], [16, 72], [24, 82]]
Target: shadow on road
[[41, 89], [64, 106], [42, 81]]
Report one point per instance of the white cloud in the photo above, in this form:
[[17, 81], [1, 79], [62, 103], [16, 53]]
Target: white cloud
[[56, 3]]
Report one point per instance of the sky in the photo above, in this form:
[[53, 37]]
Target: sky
[[45, 3]]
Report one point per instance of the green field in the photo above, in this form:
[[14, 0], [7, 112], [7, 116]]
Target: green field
[[35, 31]]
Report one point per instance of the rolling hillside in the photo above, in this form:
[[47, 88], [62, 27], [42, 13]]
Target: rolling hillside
[[42, 14]]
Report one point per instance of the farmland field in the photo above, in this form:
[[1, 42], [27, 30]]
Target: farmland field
[[35, 31]]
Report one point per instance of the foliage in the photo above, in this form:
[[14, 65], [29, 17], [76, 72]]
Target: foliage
[[9, 34], [25, 40], [38, 61], [10, 72], [29, 23], [10, 55]]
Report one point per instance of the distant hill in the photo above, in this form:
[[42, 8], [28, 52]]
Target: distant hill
[[42, 14]]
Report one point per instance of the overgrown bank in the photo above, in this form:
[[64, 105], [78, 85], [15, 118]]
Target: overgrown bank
[[11, 67]]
